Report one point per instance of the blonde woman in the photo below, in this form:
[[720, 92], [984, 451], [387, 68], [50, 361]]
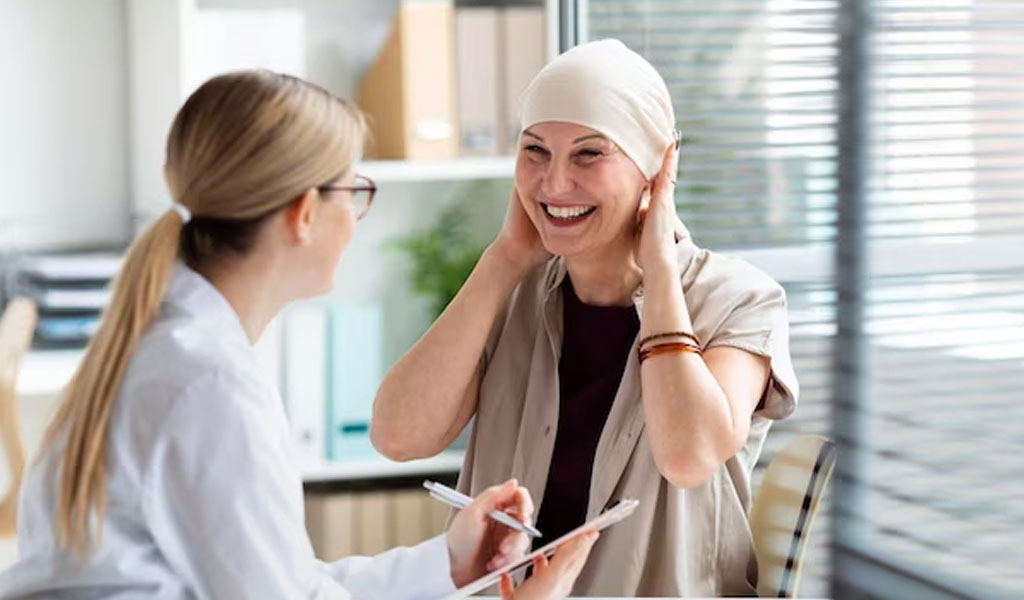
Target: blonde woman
[[166, 472]]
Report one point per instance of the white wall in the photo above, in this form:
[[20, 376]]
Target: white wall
[[342, 36], [63, 124], [167, 50]]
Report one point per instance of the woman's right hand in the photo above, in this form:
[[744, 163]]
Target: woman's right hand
[[518, 241], [554, 579]]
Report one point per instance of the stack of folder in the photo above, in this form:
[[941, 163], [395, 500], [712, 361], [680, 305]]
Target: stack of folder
[[70, 289], [332, 366]]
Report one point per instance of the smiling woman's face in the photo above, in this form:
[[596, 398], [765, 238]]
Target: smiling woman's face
[[579, 189]]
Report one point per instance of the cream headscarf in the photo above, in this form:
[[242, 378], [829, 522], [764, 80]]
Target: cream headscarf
[[609, 88]]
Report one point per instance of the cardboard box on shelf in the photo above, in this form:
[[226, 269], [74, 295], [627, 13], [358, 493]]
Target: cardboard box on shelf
[[408, 94]]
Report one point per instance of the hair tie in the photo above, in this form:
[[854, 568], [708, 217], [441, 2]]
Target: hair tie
[[183, 212]]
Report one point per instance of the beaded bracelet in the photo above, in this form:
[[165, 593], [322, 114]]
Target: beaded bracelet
[[682, 347]]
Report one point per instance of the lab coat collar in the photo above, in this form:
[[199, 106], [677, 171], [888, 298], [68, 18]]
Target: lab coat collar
[[193, 295]]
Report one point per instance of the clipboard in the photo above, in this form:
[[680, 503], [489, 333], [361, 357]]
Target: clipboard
[[621, 510]]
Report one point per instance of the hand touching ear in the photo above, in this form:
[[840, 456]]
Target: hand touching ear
[[658, 226], [518, 240]]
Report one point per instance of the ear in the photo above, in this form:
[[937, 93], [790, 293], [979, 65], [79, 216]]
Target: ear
[[643, 207], [300, 215]]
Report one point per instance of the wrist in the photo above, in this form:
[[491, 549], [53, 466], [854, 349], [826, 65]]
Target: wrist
[[507, 262], [660, 270], [664, 303], [454, 572]]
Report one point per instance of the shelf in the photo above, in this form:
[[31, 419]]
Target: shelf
[[378, 467], [457, 169]]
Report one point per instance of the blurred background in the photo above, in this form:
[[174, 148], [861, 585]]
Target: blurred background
[[867, 154]]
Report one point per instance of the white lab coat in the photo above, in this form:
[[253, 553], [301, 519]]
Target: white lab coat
[[203, 496]]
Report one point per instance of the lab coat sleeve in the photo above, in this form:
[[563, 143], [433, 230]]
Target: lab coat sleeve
[[419, 572], [223, 500]]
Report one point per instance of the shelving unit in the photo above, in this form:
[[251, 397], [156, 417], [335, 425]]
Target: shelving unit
[[165, 65], [163, 69]]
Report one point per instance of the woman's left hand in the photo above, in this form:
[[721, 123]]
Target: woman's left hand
[[658, 225], [478, 544]]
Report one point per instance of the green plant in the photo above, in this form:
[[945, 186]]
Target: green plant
[[441, 257]]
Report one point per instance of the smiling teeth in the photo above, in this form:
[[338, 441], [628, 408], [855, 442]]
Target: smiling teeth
[[567, 212]]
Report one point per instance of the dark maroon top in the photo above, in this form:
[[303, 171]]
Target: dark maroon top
[[596, 341]]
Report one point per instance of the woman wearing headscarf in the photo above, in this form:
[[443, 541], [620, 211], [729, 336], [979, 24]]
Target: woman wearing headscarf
[[603, 353]]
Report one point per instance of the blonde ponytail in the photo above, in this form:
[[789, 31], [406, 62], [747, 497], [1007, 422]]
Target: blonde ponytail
[[137, 294], [243, 146]]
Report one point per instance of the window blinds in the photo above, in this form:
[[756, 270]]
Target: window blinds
[[939, 254]]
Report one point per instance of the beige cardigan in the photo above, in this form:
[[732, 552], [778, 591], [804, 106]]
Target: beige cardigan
[[679, 542]]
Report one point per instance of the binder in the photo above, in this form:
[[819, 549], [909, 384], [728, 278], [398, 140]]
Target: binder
[[305, 379], [498, 52], [354, 376], [524, 52], [373, 524], [477, 60]]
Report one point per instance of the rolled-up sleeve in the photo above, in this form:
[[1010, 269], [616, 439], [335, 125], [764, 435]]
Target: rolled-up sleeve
[[748, 311]]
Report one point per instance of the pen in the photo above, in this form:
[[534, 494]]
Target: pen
[[451, 497]]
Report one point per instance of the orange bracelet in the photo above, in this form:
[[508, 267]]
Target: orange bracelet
[[670, 347]]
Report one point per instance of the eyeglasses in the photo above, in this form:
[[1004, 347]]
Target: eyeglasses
[[362, 190]]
